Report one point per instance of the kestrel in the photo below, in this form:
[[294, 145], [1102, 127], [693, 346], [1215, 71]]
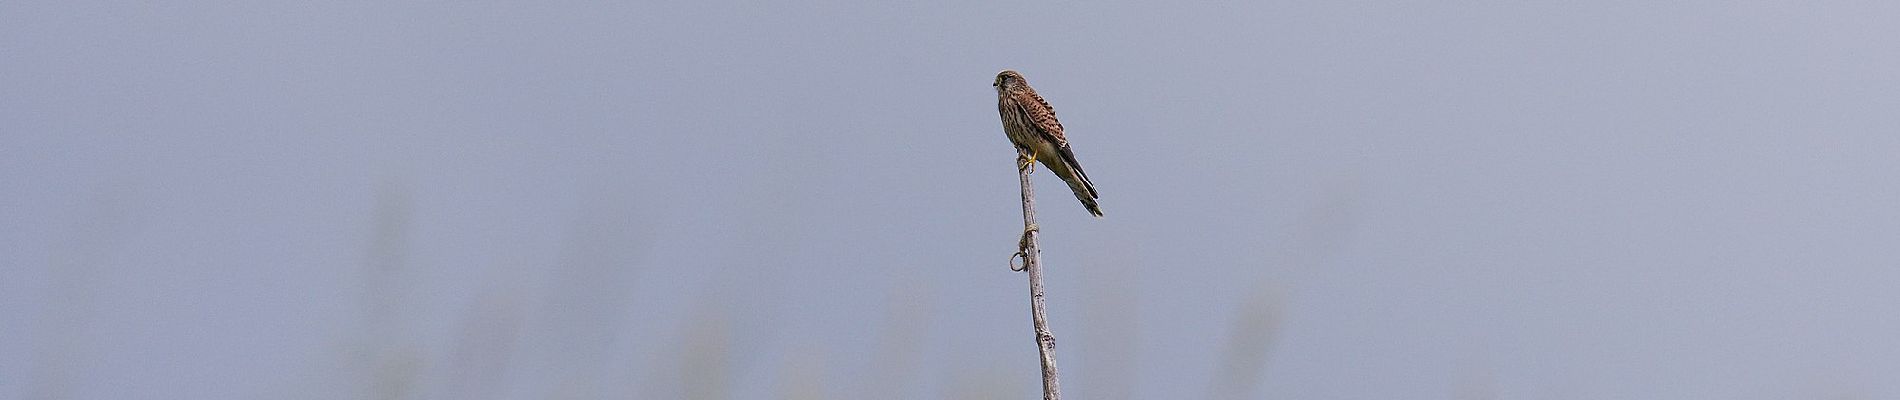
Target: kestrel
[[1031, 124]]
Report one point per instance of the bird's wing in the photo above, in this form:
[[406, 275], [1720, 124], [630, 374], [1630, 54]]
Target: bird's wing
[[1042, 116]]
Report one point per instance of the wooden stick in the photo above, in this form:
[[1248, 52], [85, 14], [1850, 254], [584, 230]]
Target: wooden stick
[[1032, 262]]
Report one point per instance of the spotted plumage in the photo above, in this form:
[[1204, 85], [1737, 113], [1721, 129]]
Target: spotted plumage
[[1031, 125]]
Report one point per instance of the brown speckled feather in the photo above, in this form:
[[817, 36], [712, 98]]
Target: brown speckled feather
[[1041, 114], [1031, 124]]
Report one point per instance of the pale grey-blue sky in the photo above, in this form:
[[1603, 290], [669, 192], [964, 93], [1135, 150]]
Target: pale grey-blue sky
[[1593, 200]]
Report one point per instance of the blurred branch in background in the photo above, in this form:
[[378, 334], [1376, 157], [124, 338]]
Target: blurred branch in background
[[901, 346], [985, 380], [705, 363], [1111, 322], [66, 345], [1314, 239], [484, 347], [1477, 385], [1248, 344], [384, 361], [586, 301], [802, 377]]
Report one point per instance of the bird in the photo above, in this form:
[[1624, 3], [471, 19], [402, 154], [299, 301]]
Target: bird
[[1031, 125]]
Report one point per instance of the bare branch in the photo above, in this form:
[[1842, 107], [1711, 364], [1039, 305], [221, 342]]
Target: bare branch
[[1032, 262]]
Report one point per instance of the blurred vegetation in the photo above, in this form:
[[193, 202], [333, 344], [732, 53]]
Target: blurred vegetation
[[503, 339]]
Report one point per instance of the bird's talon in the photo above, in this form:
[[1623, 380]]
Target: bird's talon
[[1026, 161]]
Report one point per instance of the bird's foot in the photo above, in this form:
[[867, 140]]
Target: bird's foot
[[1026, 161]]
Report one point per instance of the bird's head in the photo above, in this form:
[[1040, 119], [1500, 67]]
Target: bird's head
[[1007, 80]]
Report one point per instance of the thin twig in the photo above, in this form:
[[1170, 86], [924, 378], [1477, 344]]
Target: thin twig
[[1032, 262]]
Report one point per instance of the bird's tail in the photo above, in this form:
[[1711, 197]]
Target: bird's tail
[[1071, 173]]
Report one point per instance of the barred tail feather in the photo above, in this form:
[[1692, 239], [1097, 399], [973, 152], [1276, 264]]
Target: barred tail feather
[[1071, 173]]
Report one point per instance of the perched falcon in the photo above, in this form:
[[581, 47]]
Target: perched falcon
[[1031, 124]]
